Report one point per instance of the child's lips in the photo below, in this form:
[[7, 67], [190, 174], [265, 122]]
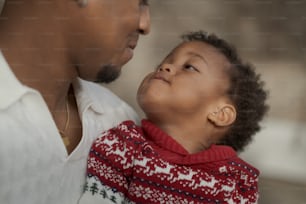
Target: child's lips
[[160, 77]]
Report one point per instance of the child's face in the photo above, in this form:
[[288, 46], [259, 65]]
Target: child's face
[[190, 81]]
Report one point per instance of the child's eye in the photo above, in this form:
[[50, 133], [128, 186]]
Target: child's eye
[[190, 67]]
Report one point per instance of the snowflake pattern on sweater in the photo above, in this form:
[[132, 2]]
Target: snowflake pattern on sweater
[[131, 164]]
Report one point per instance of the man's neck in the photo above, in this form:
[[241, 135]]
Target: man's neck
[[32, 42], [56, 89]]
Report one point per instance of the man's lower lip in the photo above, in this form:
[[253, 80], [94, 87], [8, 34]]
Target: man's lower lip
[[129, 54]]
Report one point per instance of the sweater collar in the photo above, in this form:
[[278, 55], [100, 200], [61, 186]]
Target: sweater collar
[[174, 151]]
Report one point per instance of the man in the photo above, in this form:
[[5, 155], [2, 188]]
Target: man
[[46, 46]]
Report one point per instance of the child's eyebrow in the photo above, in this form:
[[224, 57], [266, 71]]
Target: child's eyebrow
[[199, 56]]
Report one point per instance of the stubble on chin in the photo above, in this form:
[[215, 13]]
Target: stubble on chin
[[108, 73]]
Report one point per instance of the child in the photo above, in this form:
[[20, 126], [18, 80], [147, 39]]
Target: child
[[202, 105]]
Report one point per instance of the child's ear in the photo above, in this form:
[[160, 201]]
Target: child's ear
[[223, 116]]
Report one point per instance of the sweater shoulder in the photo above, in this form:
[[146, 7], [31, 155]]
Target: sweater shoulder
[[116, 148], [234, 166], [239, 165], [130, 133], [126, 133]]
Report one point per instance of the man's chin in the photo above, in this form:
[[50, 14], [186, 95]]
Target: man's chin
[[108, 73]]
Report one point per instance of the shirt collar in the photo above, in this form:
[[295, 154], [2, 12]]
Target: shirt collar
[[11, 88], [88, 94], [95, 96]]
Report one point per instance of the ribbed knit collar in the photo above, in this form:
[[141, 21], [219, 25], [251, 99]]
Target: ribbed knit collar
[[174, 152]]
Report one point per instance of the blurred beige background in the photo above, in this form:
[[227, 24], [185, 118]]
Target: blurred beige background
[[272, 35]]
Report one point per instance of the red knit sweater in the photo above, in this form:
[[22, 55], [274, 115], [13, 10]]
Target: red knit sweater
[[145, 165]]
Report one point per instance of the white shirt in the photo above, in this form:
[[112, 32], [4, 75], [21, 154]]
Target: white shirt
[[34, 165]]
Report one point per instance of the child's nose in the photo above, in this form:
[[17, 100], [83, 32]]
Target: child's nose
[[167, 68]]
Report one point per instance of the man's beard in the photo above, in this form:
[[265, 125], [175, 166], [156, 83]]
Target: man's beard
[[108, 73]]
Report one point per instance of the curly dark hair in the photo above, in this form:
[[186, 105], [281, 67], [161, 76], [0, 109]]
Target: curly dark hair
[[246, 92]]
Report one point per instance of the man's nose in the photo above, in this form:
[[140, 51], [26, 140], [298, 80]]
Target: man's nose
[[145, 20]]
